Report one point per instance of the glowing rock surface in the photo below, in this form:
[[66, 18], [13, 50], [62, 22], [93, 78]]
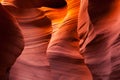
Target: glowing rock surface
[[72, 40]]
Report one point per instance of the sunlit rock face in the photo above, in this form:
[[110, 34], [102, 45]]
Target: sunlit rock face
[[66, 63], [62, 49], [99, 32], [11, 42], [36, 29], [64, 40], [34, 63]]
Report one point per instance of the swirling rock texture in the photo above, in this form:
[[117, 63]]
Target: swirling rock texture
[[63, 50], [11, 42], [99, 32], [61, 37], [32, 64]]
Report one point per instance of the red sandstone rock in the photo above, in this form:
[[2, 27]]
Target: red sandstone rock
[[60, 40], [100, 34], [11, 42]]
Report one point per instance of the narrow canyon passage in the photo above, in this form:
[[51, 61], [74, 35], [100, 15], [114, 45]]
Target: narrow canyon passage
[[60, 40]]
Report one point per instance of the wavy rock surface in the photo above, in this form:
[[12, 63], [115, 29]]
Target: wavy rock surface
[[32, 64], [63, 50], [11, 42], [62, 37], [100, 33]]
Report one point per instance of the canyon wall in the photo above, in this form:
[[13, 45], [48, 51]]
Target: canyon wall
[[60, 40]]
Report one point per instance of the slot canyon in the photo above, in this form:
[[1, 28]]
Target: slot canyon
[[59, 40]]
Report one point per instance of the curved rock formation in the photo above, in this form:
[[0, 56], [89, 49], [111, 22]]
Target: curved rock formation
[[36, 28], [61, 37], [99, 31], [11, 42], [63, 50]]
